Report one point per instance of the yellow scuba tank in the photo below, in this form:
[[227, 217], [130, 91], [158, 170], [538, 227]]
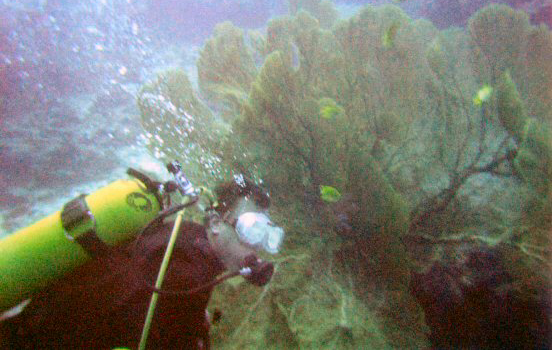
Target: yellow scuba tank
[[88, 225]]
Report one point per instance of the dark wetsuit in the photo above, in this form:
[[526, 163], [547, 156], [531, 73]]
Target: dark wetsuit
[[103, 303]]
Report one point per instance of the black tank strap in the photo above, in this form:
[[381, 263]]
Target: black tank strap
[[76, 213]]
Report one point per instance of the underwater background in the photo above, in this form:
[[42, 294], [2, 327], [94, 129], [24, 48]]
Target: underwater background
[[406, 146]]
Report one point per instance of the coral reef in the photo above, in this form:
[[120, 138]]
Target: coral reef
[[323, 10], [425, 172], [226, 69], [310, 304], [533, 160], [469, 303], [503, 39], [287, 121]]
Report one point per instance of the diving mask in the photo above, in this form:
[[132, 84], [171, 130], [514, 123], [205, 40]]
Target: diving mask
[[257, 231]]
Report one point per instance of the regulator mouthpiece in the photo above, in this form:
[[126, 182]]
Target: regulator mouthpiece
[[256, 230]]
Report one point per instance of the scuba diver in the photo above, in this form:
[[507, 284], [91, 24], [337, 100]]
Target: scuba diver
[[102, 304]]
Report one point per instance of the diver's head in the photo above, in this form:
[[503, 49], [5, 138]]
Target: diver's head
[[241, 226]]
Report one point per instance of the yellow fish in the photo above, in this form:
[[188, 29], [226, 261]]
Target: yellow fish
[[482, 95], [328, 112], [329, 194], [329, 109]]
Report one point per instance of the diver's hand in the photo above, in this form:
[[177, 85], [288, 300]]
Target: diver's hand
[[261, 271]]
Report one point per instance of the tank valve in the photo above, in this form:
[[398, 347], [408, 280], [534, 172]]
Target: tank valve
[[184, 185]]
